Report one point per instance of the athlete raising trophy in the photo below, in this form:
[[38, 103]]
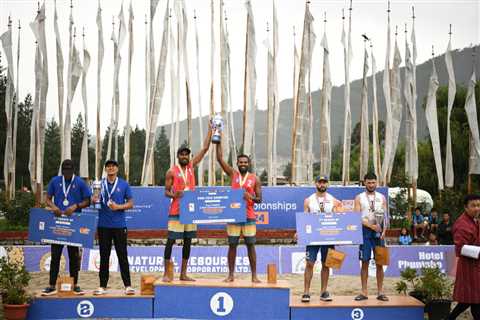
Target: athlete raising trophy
[[253, 194]]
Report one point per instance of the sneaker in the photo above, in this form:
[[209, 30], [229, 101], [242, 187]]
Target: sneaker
[[100, 291], [129, 291], [325, 296], [382, 297], [306, 298], [49, 291], [78, 291]]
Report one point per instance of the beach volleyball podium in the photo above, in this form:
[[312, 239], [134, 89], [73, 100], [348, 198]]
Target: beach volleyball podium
[[115, 304], [345, 307], [214, 299]]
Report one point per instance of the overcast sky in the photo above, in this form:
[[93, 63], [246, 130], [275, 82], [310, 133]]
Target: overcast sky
[[368, 17]]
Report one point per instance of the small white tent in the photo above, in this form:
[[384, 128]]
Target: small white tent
[[423, 197]]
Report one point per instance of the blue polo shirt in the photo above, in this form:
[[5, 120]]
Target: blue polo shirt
[[417, 219], [114, 219], [79, 191]]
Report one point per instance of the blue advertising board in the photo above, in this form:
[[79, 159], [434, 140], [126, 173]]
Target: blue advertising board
[[213, 205], [276, 211], [329, 228], [76, 230], [213, 259]]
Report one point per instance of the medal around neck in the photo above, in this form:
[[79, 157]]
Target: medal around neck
[[107, 195], [66, 190]]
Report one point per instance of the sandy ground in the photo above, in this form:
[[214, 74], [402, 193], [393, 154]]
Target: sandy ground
[[339, 285]]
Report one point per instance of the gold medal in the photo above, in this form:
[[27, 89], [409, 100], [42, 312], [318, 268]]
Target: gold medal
[[184, 177], [65, 203], [243, 180]]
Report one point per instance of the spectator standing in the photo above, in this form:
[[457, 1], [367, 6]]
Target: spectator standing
[[445, 236]]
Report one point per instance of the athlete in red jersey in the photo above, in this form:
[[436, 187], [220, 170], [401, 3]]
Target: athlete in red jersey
[[178, 179], [253, 194]]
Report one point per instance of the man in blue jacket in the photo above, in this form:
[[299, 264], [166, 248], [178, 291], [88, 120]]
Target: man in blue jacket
[[66, 194], [116, 197]]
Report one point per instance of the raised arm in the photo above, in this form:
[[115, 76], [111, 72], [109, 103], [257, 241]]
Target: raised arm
[[206, 144], [226, 168]]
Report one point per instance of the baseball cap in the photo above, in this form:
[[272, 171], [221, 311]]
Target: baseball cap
[[182, 149], [67, 164], [111, 161], [321, 178]]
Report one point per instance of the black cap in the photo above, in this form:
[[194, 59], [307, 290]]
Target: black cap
[[182, 149], [67, 164], [111, 161]]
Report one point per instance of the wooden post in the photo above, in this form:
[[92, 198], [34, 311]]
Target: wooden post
[[38, 196]]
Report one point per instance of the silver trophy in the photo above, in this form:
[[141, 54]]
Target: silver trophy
[[379, 219], [217, 126], [96, 193]]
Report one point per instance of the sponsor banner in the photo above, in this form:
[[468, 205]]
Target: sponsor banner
[[289, 259], [91, 261], [277, 210], [213, 205], [77, 230], [37, 258], [202, 259], [280, 204], [401, 257], [329, 228]]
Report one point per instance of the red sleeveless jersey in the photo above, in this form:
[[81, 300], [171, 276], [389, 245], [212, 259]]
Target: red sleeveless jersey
[[248, 186], [179, 185]]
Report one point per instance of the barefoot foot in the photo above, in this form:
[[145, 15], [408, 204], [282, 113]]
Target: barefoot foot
[[184, 277]]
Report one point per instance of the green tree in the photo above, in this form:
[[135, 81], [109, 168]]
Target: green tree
[[78, 130], [162, 157], [51, 156], [264, 177], [121, 162], [287, 172], [137, 151]]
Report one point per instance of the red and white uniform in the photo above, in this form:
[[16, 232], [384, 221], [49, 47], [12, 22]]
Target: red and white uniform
[[182, 181], [248, 183]]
